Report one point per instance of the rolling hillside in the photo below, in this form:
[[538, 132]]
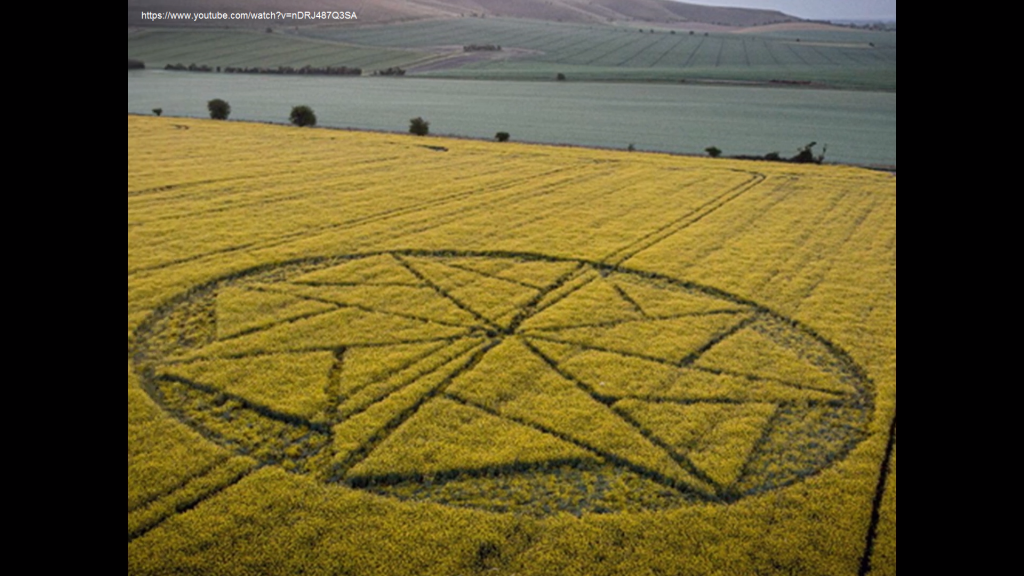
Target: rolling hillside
[[665, 12]]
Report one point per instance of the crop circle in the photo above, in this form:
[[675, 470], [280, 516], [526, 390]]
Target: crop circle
[[504, 381]]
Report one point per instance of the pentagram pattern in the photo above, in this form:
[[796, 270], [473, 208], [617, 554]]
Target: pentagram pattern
[[509, 382]]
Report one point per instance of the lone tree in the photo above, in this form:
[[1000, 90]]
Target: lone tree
[[502, 136], [303, 116], [219, 109], [713, 151], [419, 126]]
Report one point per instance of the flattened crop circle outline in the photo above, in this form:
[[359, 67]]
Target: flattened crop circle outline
[[710, 462]]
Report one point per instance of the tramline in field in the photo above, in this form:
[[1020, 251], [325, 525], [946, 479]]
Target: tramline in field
[[383, 354]]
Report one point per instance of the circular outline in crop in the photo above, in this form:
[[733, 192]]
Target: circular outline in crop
[[304, 444]]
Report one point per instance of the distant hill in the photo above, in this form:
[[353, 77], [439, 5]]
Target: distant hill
[[662, 12]]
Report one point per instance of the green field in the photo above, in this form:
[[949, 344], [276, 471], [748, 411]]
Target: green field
[[859, 127], [243, 48], [839, 58], [539, 50]]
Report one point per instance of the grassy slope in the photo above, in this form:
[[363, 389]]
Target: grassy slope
[[538, 50], [816, 243], [157, 47], [843, 58], [384, 11]]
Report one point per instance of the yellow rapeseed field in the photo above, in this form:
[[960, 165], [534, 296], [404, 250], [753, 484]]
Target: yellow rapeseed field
[[376, 354]]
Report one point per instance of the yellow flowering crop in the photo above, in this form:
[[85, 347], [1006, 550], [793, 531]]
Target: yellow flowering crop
[[375, 354]]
